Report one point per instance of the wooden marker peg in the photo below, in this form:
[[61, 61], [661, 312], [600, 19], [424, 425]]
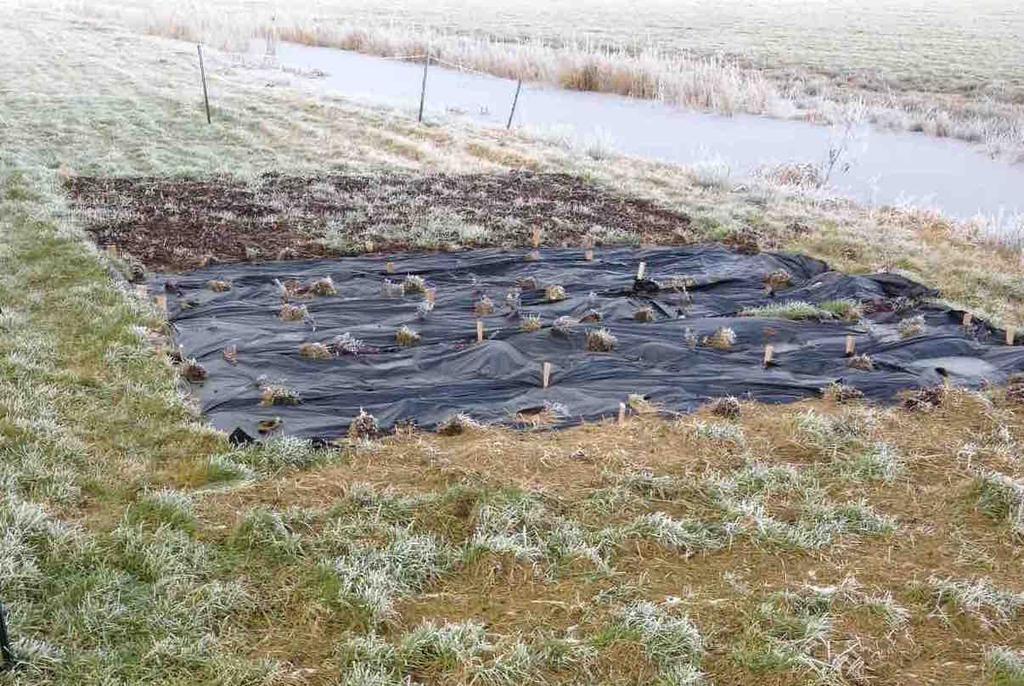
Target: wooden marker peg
[[545, 374], [769, 353], [536, 238], [640, 271], [967, 319], [113, 252], [479, 331], [161, 303], [588, 255], [851, 346], [622, 413], [430, 295], [389, 267], [1011, 335]]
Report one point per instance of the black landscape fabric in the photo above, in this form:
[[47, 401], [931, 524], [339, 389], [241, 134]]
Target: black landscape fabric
[[692, 293]]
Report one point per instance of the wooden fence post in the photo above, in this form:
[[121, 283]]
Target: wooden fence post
[[202, 72], [515, 100]]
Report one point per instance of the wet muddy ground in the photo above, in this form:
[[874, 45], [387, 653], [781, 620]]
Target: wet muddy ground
[[183, 224]]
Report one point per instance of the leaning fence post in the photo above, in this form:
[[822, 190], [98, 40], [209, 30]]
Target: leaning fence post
[[202, 72], [5, 642], [515, 101], [423, 87]]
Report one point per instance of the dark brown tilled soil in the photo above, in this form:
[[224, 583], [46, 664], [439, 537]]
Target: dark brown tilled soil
[[180, 224]]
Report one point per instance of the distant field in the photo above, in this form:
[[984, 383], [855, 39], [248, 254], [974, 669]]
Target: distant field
[[949, 46]]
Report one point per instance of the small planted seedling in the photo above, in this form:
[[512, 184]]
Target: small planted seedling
[[841, 393], [563, 326], [862, 362], [364, 426], [414, 284], [514, 300], [483, 307], [193, 371], [392, 289], [530, 323], [554, 293], [406, 337], [347, 344], [293, 313], [323, 287], [276, 394], [644, 314], [218, 286], [526, 283], [728, 407], [457, 425], [315, 351], [266, 426], [911, 326], [722, 339], [424, 308], [778, 280], [601, 341]]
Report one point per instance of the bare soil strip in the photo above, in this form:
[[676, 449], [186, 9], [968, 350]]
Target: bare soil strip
[[180, 224]]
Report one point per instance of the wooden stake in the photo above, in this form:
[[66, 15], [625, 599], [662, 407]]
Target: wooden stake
[[112, 251], [423, 88], [545, 374], [967, 319], [588, 255], [622, 413], [479, 331], [515, 101], [769, 352], [161, 303], [851, 346], [202, 72], [536, 238], [640, 271], [430, 295], [1011, 335], [389, 267]]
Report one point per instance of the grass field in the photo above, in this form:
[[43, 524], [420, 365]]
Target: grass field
[[947, 69], [822, 542]]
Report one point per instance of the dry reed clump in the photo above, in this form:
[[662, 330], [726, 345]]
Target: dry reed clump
[[266, 426], [293, 313], [457, 424], [554, 293], [315, 351], [526, 283], [364, 426], [601, 341], [230, 354], [911, 326], [484, 306], [414, 284], [406, 337], [722, 339], [530, 323], [727, 407], [347, 344], [193, 371], [276, 394], [644, 314], [1015, 388], [218, 286], [861, 362]]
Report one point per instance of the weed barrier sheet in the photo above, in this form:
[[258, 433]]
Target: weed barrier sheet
[[671, 360]]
